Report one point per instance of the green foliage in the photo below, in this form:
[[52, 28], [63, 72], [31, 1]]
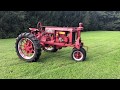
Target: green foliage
[[13, 23], [102, 62]]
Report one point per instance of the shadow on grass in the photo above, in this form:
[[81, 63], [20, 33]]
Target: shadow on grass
[[55, 56], [61, 56]]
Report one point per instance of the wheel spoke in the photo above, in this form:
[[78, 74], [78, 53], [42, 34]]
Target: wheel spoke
[[26, 48], [24, 40]]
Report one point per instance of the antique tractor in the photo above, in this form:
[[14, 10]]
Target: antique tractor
[[50, 38]]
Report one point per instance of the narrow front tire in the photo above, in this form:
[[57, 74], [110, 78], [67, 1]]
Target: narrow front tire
[[78, 54]]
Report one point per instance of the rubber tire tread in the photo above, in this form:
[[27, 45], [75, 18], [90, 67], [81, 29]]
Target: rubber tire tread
[[36, 43]]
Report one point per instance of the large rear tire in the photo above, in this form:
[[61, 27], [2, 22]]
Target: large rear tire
[[28, 47]]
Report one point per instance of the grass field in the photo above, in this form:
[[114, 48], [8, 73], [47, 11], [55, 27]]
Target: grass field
[[102, 62]]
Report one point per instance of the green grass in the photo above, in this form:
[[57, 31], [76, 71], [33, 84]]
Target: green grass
[[102, 62]]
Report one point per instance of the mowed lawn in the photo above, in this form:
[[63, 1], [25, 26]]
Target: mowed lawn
[[102, 62]]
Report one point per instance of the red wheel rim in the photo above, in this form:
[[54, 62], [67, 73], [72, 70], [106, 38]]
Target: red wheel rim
[[78, 55], [26, 48]]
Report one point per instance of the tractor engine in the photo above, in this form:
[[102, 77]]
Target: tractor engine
[[61, 37], [49, 34]]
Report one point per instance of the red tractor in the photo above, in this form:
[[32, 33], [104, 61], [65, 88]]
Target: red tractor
[[50, 38]]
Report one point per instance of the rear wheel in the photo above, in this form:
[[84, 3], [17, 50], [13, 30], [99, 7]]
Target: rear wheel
[[28, 47], [79, 54]]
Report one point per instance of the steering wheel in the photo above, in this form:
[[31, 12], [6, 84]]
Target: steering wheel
[[39, 25]]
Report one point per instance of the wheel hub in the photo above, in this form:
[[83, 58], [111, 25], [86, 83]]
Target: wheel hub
[[77, 55], [26, 48]]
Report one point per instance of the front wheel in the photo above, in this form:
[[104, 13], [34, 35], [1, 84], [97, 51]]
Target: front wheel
[[27, 47], [79, 54]]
